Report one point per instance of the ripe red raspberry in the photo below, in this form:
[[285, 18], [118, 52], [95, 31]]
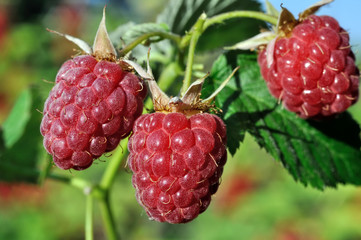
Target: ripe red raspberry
[[177, 163], [312, 69], [93, 105]]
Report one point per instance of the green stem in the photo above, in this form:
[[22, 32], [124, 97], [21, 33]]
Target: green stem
[[239, 14], [108, 218], [142, 38], [85, 186], [114, 164], [105, 184], [89, 218], [75, 182], [196, 32]]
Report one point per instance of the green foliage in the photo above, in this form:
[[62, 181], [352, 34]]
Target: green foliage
[[20, 228], [14, 126], [160, 51], [22, 148], [138, 30], [34, 51], [321, 153]]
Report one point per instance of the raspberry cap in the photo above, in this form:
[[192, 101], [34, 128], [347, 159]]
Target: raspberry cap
[[312, 68], [91, 107], [177, 163]]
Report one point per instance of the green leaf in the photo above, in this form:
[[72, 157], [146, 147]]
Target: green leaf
[[130, 31], [180, 16], [118, 33], [20, 161], [319, 154], [15, 124], [140, 29]]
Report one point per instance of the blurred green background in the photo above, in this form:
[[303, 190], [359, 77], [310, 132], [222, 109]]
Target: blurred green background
[[257, 199]]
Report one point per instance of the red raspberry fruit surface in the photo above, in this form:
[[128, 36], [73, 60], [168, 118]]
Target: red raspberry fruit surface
[[177, 163], [313, 70], [91, 107]]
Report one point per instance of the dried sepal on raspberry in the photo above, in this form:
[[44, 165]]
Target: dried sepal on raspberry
[[308, 64], [177, 154], [93, 105]]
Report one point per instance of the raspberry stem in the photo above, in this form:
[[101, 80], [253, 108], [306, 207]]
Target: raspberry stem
[[195, 33], [73, 181], [105, 184], [174, 37], [89, 218], [108, 218], [239, 14], [113, 167]]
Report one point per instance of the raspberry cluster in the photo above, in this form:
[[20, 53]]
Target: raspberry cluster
[[177, 163], [313, 69], [91, 107]]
